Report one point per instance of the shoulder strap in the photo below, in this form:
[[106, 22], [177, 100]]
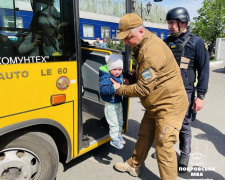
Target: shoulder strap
[[185, 42]]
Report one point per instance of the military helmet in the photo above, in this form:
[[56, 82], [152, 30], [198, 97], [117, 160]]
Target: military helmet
[[178, 13]]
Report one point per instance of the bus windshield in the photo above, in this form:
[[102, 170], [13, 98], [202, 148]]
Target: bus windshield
[[36, 27]]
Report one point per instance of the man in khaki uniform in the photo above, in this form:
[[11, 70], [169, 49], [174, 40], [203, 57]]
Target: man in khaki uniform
[[160, 88]]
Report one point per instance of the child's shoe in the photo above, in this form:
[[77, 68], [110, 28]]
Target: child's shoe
[[116, 143], [121, 139]]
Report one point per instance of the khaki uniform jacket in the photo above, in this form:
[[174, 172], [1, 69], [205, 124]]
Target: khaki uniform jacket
[[158, 79]]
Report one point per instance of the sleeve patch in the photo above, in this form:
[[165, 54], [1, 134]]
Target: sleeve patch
[[146, 74]]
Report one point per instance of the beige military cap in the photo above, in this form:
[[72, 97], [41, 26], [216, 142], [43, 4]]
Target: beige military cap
[[127, 23]]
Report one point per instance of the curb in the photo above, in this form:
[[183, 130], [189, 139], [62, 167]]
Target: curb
[[216, 63]]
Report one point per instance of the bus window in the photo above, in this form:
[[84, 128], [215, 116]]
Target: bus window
[[39, 28], [9, 22], [155, 33], [105, 32], [88, 30], [45, 33]]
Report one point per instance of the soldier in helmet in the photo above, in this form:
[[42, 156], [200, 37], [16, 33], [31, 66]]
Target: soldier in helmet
[[190, 52]]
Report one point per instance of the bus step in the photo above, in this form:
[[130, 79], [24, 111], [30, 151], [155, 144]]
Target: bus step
[[85, 141]]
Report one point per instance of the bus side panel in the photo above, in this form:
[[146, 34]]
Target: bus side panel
[[62, 114], [26, 90]]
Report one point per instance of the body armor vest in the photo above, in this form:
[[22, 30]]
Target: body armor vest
[[177, 47]]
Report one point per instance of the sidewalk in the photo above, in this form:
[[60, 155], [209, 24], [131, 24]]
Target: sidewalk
[[215, 63]]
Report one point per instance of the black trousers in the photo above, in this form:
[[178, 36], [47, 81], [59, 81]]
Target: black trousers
[[185, 132]]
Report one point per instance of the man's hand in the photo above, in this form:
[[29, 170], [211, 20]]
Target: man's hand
[[115, 84], [132, 72], [198, 104], [126, 81], [37, 40]]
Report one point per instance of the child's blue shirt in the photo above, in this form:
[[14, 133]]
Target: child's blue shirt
[[107, 90]]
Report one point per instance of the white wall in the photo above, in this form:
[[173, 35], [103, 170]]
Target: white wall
[[220, 49]]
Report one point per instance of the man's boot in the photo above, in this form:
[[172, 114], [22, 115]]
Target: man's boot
[[125, 167], [183, 164]]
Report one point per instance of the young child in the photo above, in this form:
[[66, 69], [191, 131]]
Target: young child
[[113, 106]]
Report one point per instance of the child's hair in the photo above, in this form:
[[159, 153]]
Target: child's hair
[[114, 61]]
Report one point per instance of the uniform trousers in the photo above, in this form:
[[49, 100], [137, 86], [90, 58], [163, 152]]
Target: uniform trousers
[[114, 117], [164, 131], [185, 132]]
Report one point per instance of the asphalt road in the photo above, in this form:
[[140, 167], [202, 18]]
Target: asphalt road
[[207, 159]]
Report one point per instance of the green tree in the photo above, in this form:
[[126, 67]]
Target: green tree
[[210, 24], [95, 6], [118, 9], [115, 44], [157, 14]]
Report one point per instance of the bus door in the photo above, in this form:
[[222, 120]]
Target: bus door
[[95, 127]]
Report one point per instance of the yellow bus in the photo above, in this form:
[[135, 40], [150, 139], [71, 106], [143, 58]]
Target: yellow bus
[[49, 100]]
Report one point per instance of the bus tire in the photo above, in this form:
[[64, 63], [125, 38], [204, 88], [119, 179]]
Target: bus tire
[[30, 155]]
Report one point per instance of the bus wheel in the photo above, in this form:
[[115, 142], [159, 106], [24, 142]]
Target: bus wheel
[[25, 156]]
